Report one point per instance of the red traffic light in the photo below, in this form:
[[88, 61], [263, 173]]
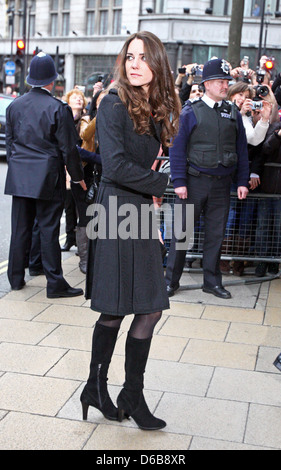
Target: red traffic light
[[269, 65], [20, 44]]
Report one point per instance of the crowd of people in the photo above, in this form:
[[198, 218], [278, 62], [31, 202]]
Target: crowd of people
[[252, 228], [63, 156]]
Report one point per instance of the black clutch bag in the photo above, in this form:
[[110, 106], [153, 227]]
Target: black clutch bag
[[91, 193]]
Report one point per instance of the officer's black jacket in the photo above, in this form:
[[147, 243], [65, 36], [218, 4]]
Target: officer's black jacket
[[41, 139]]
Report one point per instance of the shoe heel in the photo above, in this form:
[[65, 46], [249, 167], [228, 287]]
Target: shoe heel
[[85, 408], [122, 415], [277, 363]]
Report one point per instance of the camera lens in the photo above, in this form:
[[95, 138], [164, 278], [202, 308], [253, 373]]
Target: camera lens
[[262, 91]]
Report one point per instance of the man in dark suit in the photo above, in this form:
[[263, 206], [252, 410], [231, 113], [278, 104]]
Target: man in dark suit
[[41, 140]]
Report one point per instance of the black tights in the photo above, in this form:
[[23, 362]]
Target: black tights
[[142, 326]]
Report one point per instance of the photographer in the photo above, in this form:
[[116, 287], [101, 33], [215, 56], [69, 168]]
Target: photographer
[[243, 73], [261, 83], [276, 88], [190, 71]]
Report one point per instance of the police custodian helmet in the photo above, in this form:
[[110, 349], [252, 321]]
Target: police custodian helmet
[[216, 69], [42, 70]]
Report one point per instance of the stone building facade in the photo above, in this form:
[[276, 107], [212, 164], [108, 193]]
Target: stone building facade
[[90, 33]]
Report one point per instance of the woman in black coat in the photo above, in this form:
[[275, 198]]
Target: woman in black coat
[[125, 274]]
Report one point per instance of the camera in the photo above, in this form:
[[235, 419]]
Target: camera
[[245, 76], [81, 88], [101, 78], [197, 71], [257, 105], [260, 75], [182, 70], [261, 90]]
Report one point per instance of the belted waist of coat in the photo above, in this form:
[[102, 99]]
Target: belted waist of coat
[[113, 184]]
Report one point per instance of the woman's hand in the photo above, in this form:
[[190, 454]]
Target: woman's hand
[[246, 107]]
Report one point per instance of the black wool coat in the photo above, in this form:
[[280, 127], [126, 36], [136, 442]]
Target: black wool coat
[[125, 276], [41, 139]]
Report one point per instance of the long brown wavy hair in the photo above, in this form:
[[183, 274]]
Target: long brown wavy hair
[[163, 101]]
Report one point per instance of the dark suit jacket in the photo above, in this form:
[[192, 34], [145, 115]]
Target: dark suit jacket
[[41, 138]]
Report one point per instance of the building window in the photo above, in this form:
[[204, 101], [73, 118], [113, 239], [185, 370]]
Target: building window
[[65, 17], [117, 17], [222, 7], [160, 6], [252, 7], [54, 24], [103, 17], [91, 17], [117, 20], [103, 22], [31, 18], [65, 24], [54, 17], [90, 23]]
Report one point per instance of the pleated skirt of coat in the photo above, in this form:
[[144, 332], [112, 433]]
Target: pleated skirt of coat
[[124, 276]]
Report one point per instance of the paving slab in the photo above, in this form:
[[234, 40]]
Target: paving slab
[[210, 372], [26, 431]]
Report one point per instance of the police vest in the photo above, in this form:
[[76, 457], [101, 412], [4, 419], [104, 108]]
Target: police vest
[[213, 141]]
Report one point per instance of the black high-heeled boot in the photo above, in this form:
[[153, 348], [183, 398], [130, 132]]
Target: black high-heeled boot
[[277, 362], [95, 392], [131, 401]]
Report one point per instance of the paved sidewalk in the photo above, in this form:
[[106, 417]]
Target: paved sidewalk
[[210, 373]]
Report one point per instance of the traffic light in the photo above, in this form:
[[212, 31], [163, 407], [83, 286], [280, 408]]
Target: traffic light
[[36, 51], [20, 47], [61, 63], [20, 52], [269, 64]]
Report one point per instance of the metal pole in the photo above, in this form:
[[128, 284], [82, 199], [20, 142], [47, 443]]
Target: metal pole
[[261, 31], [22, 76], [12, 19]]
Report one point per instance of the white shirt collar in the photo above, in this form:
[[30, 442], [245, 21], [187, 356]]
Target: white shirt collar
[[43, 88], [211, 103]]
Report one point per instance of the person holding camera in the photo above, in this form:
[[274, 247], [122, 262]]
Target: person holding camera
[[276, 88], [190, 71], [261, 83], [210, 145]]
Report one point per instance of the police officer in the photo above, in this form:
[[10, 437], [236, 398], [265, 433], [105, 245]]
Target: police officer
[[210, 146], [41, 140]]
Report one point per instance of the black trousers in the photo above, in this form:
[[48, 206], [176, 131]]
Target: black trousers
[[48, 215], [70, 215], [79, 198], [210, 195], [35, 261]]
